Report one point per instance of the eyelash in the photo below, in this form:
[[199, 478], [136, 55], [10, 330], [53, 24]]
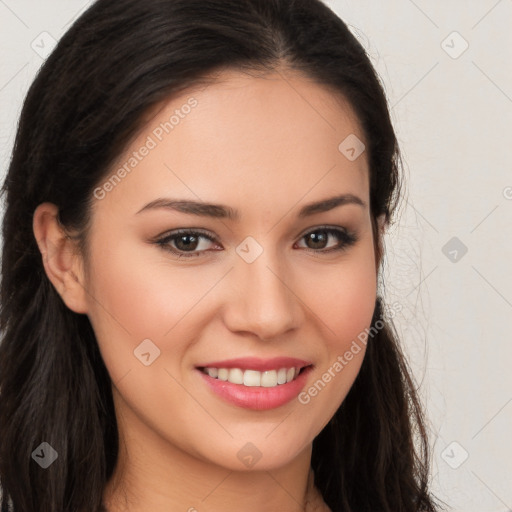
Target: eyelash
[[347, 239]]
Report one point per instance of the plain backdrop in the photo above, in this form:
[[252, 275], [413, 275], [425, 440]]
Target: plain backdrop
[[446, 69]]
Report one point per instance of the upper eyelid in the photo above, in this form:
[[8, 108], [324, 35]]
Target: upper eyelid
[[199, 231], [207, 234]]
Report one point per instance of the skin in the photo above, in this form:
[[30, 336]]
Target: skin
[[265, 146]]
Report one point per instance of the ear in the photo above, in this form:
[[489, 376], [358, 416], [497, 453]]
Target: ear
[[61, 260], [381, 226]]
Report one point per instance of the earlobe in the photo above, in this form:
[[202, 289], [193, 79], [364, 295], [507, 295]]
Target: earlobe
[[61, 261]]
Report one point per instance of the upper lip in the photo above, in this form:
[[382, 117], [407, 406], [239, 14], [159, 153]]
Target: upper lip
[[255, 363]]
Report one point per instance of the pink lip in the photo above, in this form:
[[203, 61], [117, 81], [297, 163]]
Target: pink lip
[[257, 397], [255, 363]]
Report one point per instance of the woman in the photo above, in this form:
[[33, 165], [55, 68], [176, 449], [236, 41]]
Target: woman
[[192, 241]]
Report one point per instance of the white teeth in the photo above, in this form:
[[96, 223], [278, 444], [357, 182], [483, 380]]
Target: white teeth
[[236, 376], [281, 376], [269, 379], [252, 378]]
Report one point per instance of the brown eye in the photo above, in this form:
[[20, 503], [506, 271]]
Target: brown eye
[[318, 239], [189, 243], [185, 243]]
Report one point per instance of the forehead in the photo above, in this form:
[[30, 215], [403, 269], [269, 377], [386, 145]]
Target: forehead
[[245, 136]]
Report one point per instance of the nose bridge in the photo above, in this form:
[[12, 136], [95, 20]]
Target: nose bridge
[[265, 304]]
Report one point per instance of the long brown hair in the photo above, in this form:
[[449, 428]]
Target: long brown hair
[[117, 61]]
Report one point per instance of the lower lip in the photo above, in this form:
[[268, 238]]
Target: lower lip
[[257, 397]]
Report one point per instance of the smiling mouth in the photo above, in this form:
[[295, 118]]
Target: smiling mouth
[[254, 378]]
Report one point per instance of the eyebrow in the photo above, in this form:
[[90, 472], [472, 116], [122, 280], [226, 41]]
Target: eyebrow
[[220, 211]]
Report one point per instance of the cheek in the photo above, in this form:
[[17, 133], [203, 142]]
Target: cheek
[[345, 295], [140, 288], [353, 308], [131, 300], [345, 309]]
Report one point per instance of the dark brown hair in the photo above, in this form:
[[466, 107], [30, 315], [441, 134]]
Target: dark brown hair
[[118, 60]]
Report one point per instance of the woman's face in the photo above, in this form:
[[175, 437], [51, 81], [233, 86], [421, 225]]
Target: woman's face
[[260, 280]]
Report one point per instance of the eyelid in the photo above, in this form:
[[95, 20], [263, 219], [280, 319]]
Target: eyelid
[[164, 241], [348, 238], [322, 227], [184, 231]]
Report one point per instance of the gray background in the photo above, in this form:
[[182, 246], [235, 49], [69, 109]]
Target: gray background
[[452, 111]]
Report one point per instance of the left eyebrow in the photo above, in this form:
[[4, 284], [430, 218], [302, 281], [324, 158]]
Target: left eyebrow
[[220, 211], [328, 204]]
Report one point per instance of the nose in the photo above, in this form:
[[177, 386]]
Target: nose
[[264, 303]]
